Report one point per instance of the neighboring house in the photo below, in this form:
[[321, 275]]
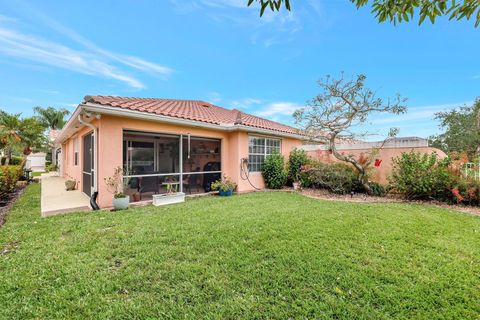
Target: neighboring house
[[383, 163], [188, 143], [56, 149], [36, 162]]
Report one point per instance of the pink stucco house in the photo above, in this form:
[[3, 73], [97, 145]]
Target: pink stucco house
[[189, 142]]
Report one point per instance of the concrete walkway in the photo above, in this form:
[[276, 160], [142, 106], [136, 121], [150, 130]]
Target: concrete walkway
[[56, 200]]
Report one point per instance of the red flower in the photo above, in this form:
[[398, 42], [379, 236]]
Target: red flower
[[457, 195]]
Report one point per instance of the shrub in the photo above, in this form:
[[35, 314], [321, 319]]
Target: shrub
[[51, 167], [422, 176], [466, 191], [377, 189], [296, 160], [9, 176], [337, 178], [274, 171], [14, 161]]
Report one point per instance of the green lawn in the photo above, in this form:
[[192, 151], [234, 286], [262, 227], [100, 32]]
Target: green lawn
[[260, 255]]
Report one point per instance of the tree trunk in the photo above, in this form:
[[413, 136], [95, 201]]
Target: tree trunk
[[360, 169], [362, 179], [8, 156]]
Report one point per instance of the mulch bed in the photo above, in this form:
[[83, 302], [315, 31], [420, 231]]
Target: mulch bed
[[360, 197], [5, 206]]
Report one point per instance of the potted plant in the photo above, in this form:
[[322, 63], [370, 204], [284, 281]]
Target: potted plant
[[117, 186], [137, 196], [225, 186], [297, 183], [171, 196]]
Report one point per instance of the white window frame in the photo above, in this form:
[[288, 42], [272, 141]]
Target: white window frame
[[265, 153]]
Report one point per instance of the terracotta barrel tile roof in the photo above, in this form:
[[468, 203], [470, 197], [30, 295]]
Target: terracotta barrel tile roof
[[190, 110]]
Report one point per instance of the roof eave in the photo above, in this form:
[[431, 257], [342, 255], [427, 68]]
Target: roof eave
[[64, 133]]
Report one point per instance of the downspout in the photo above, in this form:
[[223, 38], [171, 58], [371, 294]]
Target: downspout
[[94, 195]]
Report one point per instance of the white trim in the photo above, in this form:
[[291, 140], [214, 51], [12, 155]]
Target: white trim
[[168, 174], [152, 175], [60, 138], [93, 145]]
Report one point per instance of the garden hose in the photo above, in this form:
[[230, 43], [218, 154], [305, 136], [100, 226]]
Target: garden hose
[[245, 172]]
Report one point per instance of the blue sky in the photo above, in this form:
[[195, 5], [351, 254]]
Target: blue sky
[[53, 53]]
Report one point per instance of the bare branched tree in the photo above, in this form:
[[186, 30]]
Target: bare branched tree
[[332, 116]]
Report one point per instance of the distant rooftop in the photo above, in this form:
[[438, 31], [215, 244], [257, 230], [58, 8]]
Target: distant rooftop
[[397, 142]]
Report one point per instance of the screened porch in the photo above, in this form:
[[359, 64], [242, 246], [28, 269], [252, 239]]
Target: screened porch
[[155, 162]]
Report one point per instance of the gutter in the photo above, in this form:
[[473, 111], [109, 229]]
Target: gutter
[[94, 195]]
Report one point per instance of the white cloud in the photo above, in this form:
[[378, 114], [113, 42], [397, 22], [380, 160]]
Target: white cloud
[[245, 103], [271, 29], [278, 109], [6, 19], [51, 91], [225, 3], [214, 97], [476, 77], [131, 61], [416, 114], [91, 59], [20, 45]]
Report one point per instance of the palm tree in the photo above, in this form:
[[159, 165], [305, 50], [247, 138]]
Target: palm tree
[[17, 132], [51, 118], [9, 133], [32, 134]]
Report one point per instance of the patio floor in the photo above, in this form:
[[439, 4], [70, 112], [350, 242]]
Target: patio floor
[[56, 200]]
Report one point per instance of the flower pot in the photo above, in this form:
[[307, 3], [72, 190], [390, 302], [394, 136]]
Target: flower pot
[[225, 193], [168, 198], [121, 203], [137, 197]]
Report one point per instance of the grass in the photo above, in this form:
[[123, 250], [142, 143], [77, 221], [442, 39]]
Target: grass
[[36, 174], [260, 255]]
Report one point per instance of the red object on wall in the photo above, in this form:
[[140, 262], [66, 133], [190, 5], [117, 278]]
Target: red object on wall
[[378, 162]]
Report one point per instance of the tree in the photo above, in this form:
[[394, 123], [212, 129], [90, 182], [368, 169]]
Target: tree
[[9, 133], [462, 130], [32, 133], [401, 10], [17, 132], [51, 118], [341, 106]]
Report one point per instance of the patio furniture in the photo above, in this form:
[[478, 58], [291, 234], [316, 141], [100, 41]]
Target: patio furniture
[[148, 184], [209, 178]]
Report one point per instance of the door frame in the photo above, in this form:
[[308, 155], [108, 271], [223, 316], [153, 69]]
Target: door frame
[[91, 172]]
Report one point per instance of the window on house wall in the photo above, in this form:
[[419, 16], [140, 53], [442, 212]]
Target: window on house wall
[[258, 149], [75, 151]]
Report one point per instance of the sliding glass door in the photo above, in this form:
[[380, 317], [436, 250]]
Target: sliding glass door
[[155, 162]]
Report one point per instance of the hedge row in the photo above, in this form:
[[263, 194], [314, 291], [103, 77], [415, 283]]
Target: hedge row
[[416, 176], [13, 161], [9, 176], [427, 177]]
